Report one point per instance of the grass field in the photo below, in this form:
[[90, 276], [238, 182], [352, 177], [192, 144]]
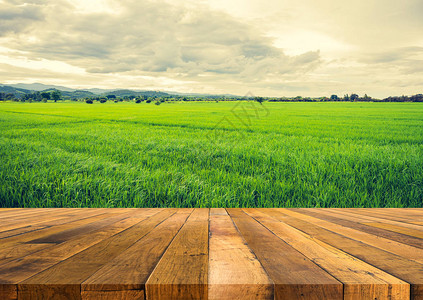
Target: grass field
[[236, 154]]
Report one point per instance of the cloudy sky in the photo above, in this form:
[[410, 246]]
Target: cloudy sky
[[285, 48]]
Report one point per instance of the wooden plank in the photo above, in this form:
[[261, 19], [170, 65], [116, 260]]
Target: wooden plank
[[23, 212], [404, 269], [399, 229], [8, 292], [406, 215], [5, 209], [18, 270], [364, 219], [360, 280], [82, 218], [34, 221], [12, 253], [294, 275], [49, 221], [130, 270], [352, 222], [234, 270], [67, 275], [114, 295], [59, 237], [20, 230], [182, 271], [48, 291], [75, 243], [400, 249], [398, 215]]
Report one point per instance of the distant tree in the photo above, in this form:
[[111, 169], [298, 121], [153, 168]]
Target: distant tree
[[138, 101], [157, 102], [89, 101], [111, 96], [334, 98], [45, 95], [56, 95], [259, 100], [346, 97], [417, 98], [354, 97], [2, 96], [103, 100], [367, 98]]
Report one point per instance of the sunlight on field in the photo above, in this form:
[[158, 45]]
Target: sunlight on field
[[211, 154]]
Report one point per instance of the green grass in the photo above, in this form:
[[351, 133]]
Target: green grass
[[211, 155]]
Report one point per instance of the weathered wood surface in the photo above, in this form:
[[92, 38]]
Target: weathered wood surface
[[211, 253]]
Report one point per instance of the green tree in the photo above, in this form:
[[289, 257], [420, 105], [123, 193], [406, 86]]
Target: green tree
[[354, 97], [259, 100], [56, 95], [45, 95]]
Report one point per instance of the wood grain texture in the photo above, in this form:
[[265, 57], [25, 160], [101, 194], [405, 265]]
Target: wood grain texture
[[8, 292], [234, 270], [374, 218], [352, 222], [131, 269], [82, 218], [361, 280], [158, 253], [182, 271], [294, 276], [113, 295], [404, 269], [70, 273]]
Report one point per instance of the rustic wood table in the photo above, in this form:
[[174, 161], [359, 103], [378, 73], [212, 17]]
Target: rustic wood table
[[217, 253]]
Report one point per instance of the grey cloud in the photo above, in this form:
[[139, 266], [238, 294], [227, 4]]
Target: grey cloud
[[17, 18], [156, 37], [406, 59]]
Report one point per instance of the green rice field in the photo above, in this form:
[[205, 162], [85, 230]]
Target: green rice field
[[207, 154]]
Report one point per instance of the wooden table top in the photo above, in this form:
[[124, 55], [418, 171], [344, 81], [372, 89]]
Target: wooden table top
[[157, 253]]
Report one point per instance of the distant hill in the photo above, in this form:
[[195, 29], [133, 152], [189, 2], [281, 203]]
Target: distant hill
[[20, 89], [123, 93], [98, 91], [40, 87], [15, 91]]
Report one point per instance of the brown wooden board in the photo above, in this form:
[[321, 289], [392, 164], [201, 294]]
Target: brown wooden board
[[234, 270], [361, 280], [68, 274], [182, 271], [344, 220], [231, 254], [404, 269], [294, 275], [17, 270], [130, 270]]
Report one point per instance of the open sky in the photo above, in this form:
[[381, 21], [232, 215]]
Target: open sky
[[268, 48]]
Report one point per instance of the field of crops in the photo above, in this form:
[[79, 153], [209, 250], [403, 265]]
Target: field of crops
[[207, 154]]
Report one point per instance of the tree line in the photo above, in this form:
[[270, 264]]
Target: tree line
[[56, 95]]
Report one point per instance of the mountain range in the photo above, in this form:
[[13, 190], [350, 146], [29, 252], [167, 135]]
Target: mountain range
[[19, 89]]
